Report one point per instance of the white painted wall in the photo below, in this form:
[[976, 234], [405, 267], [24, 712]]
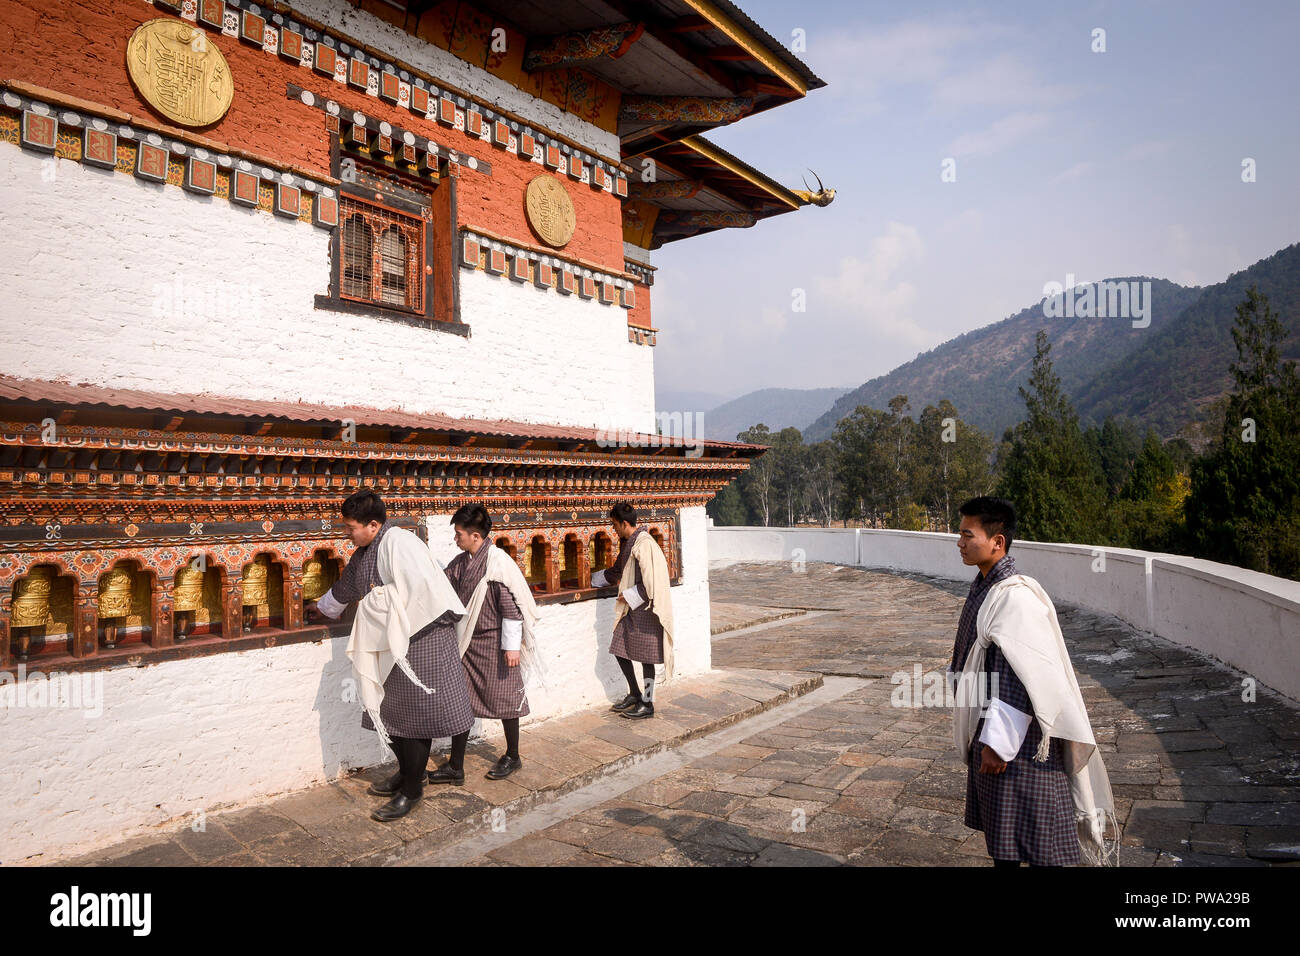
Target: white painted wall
[[180, 737], [1243, 618], [146, 286]]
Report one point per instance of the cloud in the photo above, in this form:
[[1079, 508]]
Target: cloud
[[868, 293], [1000, 135], [1076, 171], [1001, 81], [1147, 149], [968, 220], [866, 60]]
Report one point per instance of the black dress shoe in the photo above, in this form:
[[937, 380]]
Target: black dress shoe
[[631, 700], [386, 788], [504, 768], [394, 809], [445, 774], [640, 711]]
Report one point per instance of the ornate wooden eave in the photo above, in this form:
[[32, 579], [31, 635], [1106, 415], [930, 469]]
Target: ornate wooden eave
[[581, 46]]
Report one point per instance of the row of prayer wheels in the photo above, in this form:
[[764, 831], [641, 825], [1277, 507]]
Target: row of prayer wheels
[[38, 604]]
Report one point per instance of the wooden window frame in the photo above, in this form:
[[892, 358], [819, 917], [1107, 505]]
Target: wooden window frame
[[387, 199], [410, 228]]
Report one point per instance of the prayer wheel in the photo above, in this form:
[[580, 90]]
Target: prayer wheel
[[187, 599], [31, 608], [115, 595], [316, 579], [255, 590]]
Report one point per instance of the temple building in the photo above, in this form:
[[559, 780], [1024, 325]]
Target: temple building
[[259, 256]]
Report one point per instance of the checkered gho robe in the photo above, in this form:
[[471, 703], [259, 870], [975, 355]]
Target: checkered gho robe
[[638, 636], [496, 689], [1026, 813], [407, 711]]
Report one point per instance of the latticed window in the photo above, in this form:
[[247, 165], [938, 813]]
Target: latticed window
[[382, 258]]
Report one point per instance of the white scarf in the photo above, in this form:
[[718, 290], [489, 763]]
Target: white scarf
[[502, 569], [1019, 617], [654, 575], [415, 594]]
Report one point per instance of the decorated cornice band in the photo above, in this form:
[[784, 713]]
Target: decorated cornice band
[[102, 136], [358, 129], [329, 54], [643, 274], [497, 256]]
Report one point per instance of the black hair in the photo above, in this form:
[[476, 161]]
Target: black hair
[[472, 518], [623, 512], [995, 515], [364, 506]]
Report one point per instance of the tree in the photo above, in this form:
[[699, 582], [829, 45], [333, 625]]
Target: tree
[[862, 442], [728, 506], [1244, 503], [824, 484], [951, 463], [901, 461], [758, 483], [1048, 473], [1115, 447], [790, 465]]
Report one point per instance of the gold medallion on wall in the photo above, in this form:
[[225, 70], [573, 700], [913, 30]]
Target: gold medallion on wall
[[180, 72], [550, 210]]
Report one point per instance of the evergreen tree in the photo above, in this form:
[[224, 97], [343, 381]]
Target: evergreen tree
[[1047, 472], [1244, 505]]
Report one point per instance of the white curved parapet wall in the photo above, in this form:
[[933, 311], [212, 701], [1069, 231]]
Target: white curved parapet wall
[[1246, 619]]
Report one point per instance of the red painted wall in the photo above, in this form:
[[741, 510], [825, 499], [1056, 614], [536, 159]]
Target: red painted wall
[[78, 47]]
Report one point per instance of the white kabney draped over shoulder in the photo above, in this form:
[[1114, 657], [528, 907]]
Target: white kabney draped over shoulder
[[1019, 617], [387, 617], [502, 569], [654, 576]]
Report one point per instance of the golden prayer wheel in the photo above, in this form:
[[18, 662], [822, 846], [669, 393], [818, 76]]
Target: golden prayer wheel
[[189, 590], [115, 593], [255, 578], [188, 599], [315, 579], [31, 606]]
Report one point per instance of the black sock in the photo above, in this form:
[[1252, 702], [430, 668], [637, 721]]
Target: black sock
[[1006, 862], [457, 759], [625, 666], [511, 726], [414, 760]]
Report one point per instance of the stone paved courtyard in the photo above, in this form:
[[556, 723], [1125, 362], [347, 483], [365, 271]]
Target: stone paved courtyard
[[804, 769], [1200, 777]]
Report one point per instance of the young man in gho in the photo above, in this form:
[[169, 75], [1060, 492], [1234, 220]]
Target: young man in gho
[[402, 647], [643, 612], [1035, 782], [497, 645]]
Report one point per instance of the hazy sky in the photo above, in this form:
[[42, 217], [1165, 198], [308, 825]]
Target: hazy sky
[[1127, 162]]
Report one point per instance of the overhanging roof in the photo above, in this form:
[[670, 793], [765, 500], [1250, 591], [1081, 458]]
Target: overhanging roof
[[706, 50], [42, 396], [700, 187]]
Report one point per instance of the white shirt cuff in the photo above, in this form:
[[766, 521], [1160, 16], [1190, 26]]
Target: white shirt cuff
[[1004, 728], [598, 579], [512, 634], [633, 598], [330, 607]]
